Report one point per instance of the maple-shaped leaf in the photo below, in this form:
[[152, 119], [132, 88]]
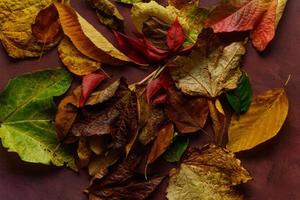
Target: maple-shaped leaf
[[175, 36], [189, 114], [89, 83], [207, 173], [116, 117], [261, 17], [26, 115], [123, 183]]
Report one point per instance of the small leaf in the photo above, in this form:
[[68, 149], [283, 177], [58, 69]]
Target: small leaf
[[129, 1], [83, 152], [207, 173], [175, 36], [240, 98], [176, 149], [76, 62], [260, 123], [89, 83]]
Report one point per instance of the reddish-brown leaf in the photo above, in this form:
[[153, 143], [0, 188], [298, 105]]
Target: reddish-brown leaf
[[89, 83], [175, 36], [47, 26], [189, 114]]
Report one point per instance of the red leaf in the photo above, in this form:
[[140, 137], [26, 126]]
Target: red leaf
[[156, 89], [89, 83], [175, 36], [140, 50]]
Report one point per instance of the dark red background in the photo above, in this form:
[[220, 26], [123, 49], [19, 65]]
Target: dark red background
[[274, 165]]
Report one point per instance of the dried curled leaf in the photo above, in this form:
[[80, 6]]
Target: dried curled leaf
[[188, 114], [83, 152], [207, 173], [262, 122], [108, 14], [86, 38], [16, 36], [76, 62], [211, 68], [66, 113]]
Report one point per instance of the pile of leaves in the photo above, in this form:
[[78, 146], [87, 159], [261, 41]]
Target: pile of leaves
[[117, 130]]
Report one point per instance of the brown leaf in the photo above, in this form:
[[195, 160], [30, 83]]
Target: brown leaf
[[74, 60], [86, 38], [219, 120], [98, 144], [67, 113], [83, 152], [189, 114], [207, 173], [46, 27], [161, 143]]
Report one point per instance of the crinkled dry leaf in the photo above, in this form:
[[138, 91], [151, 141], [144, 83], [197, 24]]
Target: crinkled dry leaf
[[207, 173], [76, 62], [108, 14], [162, 142], [263, 121], [103, 95], [66, 113], [83, 152], [86, 38], [26, 115], [188, 114], [190, 17], [210, 69], [100, 163], [16, 36]]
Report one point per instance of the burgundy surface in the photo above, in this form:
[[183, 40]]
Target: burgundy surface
[[274, 165]]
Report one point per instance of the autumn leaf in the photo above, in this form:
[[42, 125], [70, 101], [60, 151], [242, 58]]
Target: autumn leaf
[[175, 36], [176, 149], [260, 123], [99, 144], [162, 142], [83, 152], [26, 115], [240, 98], [16, 36], [89, 83], [66, 113], [108, 14], [46, 27], [210, 69], [219, 120], [86, 38], [129, 1], [123, 183], [261, 17], [207, 173], [76, 62], [188, 114]]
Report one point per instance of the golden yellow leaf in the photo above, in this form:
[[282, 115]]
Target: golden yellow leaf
[[86, 38], [76, 62], [16, 18], [208, 173], [263, 121]]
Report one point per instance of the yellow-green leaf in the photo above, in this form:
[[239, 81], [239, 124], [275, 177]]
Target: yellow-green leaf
[[260, 123]]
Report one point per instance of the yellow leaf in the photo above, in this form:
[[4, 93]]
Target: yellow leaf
[[208, 173], [86, 38], [263, 121], [76, 62]]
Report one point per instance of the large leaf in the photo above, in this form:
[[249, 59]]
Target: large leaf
[[261, 17], [263, 120], [211, 68], [26, 115], [207, 173], [240, 98], [86, 38], [16, 36], [190, 17], [76, 62]]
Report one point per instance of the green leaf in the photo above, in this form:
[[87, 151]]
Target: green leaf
[[240, 98], [26, 116], [177, 148]]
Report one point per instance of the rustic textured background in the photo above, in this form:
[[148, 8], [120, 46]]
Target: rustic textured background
[[274, 165]]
